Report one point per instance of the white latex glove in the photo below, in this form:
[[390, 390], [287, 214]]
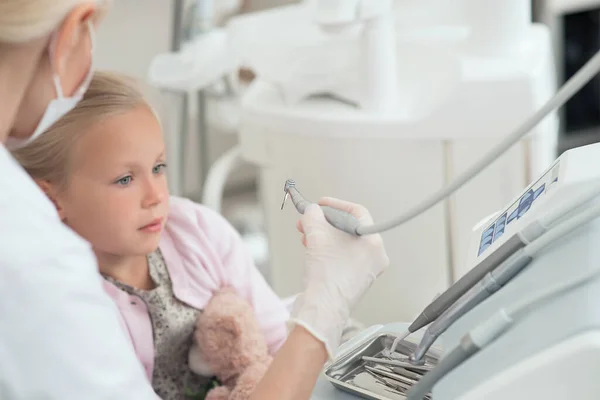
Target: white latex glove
[[340, 268]]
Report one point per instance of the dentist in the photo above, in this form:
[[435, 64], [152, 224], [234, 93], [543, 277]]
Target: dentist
[[60, 335]]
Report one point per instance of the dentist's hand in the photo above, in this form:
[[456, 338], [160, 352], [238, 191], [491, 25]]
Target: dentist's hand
[[340, 268]]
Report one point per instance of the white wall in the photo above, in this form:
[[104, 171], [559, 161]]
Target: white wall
[[131, 34]]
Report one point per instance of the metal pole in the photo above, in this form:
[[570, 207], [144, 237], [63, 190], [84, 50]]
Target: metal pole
[[203, 150], [177, 34], [203, 24], [176, 42]]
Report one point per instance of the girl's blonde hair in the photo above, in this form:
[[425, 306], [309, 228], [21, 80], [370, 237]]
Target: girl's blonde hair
[[24, 20], [47, 158]]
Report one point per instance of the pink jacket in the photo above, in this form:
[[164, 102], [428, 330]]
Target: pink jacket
[[203, 253]]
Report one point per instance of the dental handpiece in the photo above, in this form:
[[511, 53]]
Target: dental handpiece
[[339, 219], [490, 284]]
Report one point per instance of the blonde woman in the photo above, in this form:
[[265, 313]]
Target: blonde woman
[[61, 336]]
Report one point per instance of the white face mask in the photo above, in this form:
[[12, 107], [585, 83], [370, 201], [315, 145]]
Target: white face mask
[[59, 106]]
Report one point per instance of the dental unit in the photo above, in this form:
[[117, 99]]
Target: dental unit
[[493, 327], [510, 330], [446, 312], [562, 201]]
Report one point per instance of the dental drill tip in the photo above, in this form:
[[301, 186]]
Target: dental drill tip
[[290, 183], [284, 199]]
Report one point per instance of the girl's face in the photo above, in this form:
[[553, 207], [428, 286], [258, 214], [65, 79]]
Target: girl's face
[[116, 196]]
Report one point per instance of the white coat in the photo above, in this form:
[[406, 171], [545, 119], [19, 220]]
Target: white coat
[[60, 335]]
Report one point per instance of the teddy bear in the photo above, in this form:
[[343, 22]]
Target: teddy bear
[[229, 344]]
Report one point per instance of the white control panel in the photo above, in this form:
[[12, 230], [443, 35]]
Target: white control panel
[[518, 208]]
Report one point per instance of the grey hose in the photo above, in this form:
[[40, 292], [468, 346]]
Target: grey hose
[[568, 90]]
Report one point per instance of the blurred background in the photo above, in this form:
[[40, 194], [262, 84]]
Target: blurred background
[[202, 122]]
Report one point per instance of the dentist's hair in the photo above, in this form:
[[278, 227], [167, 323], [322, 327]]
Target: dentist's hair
[[24, 20], [47, 158]]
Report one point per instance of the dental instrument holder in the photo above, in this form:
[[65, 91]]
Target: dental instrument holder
[[554, 340], [339, 219], [487, 286], [363, 354], [558, 341]]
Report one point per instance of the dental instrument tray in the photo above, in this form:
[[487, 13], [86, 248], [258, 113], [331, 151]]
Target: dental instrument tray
[[368, 372]]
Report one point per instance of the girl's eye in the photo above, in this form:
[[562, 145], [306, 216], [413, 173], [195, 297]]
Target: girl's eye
[[126, 180], [159, 168]]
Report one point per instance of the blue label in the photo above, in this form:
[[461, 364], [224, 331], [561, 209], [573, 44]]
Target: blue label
[[525, 203], [500, 225], [486, 238], [512, 216], [496, 230], [539, 191]]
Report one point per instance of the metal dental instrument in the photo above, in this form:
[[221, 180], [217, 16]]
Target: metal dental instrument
[[404, 364], [566, 91], [404, 387], [407, 374], [393, 384], [285, 197], [342, 220], [400, 388], [376, 384], [392, 375]]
